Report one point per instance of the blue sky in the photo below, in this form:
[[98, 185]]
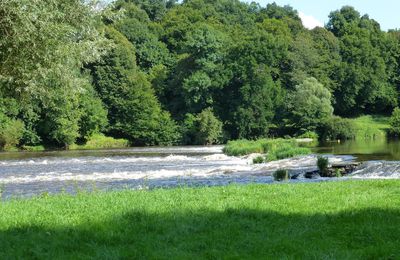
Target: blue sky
[[386, 12]]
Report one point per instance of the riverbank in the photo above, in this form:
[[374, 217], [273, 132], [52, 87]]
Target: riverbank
[[350, 219]]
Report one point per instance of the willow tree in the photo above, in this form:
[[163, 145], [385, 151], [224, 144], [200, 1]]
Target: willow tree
[[44, 45]]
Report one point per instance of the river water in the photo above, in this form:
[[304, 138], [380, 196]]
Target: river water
[[28, 174]]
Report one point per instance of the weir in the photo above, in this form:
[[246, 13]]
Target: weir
[[148, 168]]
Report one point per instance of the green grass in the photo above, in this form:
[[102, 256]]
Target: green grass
[[100, 141], [244, 147], [370, 127], [37, 148], [336, 220], [276, 149]]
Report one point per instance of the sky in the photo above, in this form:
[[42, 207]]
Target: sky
[[315, 12]]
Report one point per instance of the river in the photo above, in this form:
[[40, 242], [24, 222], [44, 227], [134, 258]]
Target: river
[[28, 174]]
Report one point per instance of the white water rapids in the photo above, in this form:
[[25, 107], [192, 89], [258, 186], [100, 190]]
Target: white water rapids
[[149, 168]]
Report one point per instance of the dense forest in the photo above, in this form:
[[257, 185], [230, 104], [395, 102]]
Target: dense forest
[[158, 72]]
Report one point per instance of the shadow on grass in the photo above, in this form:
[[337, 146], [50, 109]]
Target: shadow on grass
[[233, 233]]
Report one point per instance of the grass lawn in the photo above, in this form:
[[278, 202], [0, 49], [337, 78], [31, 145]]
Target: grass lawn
[[338, 220]]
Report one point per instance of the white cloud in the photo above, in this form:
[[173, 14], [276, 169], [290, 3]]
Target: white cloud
[[309, 21]]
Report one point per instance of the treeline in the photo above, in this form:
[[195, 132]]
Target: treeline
[[158, 72]]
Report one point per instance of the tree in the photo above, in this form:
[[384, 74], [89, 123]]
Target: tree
[[133, 110], [136, 26], [364, 75], [204, 128], [43, 51], [209, 128], [310, 105]]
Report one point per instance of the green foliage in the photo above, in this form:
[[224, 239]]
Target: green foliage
[[361, 128], [99, 141], [209, 129], [11, 132], [254, 71], [94, 115], [310, 105], [203, 128], [45, 45], [286, 150], [276, 149], [309, 134], [37, 148], [281, 175], [134, 111], [323, 163], [258, 160], [244, 147], [395, 122], [337, 128], [371, 127], [364, 75]]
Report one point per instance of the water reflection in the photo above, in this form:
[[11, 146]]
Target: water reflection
[[365, 150]]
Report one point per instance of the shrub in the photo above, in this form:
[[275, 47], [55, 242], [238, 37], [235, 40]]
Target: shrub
[[281, 175], [209, 128], [322, 164], [204, 128], [11, 132], [258, 160], [338, 173], [339, 128], [395, 122]]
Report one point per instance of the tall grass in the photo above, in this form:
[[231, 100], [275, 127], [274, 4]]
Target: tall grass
[[276, 149], [245, 147], [370, 127], [99, 141]]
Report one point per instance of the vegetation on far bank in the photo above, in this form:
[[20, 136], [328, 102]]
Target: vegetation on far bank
[[341, 220], [193, 72], [99, 141]]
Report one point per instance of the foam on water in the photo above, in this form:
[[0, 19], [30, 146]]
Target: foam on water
[[198, 165], [378, 170]]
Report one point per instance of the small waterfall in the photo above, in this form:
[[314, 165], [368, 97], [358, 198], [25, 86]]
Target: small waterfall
[[379, 170]]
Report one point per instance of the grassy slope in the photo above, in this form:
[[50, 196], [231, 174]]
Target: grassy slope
[[371, 127], [341, 220]]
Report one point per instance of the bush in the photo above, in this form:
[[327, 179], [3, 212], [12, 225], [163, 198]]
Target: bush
[[281, 175], [204, 128], [11, 132], [258, 160], [209, 128], [395, 122], [322, 164], [338, 128]]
